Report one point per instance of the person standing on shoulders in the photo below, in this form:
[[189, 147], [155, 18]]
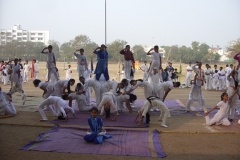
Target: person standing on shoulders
[[128, 61], [102, 64]]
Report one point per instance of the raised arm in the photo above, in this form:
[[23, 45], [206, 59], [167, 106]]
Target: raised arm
[[122, 51], [96, 49], [44, 50], [150, 51], [206, 113], [236, 56]]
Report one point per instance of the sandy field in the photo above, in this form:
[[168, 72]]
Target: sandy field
[[186, 137]]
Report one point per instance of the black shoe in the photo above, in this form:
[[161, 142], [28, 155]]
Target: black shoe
[[230, 120]]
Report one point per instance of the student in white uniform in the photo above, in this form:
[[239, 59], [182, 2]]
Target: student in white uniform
[[127, 99], [196, 91], [156, 60], [221, 74], [59, 107], [215, 80], [87, 75], [82, 64], [220, 117], [207, 73], [47, 87], [68, 72], [144, 69], [79, 96], [154, 101], [114, 86], [154, 79], [148, 88], [6, 105], [5, 76], [228, 70], [35, 69], [164, 88], [61, 85], [16, 81], [51, 62], [107, 102], [233, 93], [27, 68], [189, 74], [96, 86]]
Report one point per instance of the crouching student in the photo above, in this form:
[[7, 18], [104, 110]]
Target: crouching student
[[108, 100], [127, 99], [220, 117], [96, 133], [6, 105], [79, 96], [154, 101], [59, 107]]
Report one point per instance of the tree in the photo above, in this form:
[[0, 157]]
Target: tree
[[80, 41], [114, 48], [139, 53], [233, 48]]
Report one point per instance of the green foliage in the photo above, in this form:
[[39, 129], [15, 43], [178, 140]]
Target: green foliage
[[139, 53], [233, 48], [114, 48]]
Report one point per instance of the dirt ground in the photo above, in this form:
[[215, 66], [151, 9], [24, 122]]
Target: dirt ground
[[186, 138]]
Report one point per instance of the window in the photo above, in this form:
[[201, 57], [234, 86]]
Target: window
[[19, 39], [24, 34], [9, 34], [14, 30], [24, 38], [19, 34], [14, 35], [32, 38], [40, 38], [40, 34], [32, 34]]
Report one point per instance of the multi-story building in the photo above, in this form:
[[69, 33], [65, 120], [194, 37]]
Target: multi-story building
[[21, 35], [224, 54]]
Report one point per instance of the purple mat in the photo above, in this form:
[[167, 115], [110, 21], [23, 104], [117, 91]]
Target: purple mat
[[123, 142], [123, 120]]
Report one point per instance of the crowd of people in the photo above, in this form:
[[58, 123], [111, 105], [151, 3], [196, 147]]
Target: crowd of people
[[112, 96]]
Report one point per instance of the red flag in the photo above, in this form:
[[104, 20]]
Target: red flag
[[32, 69]]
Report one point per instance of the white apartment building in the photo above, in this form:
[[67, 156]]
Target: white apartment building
[[21, 35], [224, 54]]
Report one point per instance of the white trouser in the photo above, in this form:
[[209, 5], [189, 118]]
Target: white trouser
[[58, 90], [214, 83], [88, 97], [98, 95], [10, 109], [81, 69], [231, 110], [212, 121], [68, 76], [154, 64], [220, 84], [35, 75], [5, 80], [155, 89], [49, 91], [17, 87], [52, 71], [127, 68], [207, 84], [25, 76], [144, 75], [80, 100], [163, 115], [148, 91], [196, 90], [188, 78]]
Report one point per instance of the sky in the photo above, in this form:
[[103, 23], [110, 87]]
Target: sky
[[146, 22]]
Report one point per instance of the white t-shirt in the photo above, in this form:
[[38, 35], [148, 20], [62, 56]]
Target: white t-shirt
[[155, 78], [26, 67], [144, 68], [221, 74], [155, 56], [69, 71], [215, 76], [50, 60], [189, 68], [35, 67]]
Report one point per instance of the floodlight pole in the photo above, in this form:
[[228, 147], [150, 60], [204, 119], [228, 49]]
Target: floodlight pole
[[105, 22]]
